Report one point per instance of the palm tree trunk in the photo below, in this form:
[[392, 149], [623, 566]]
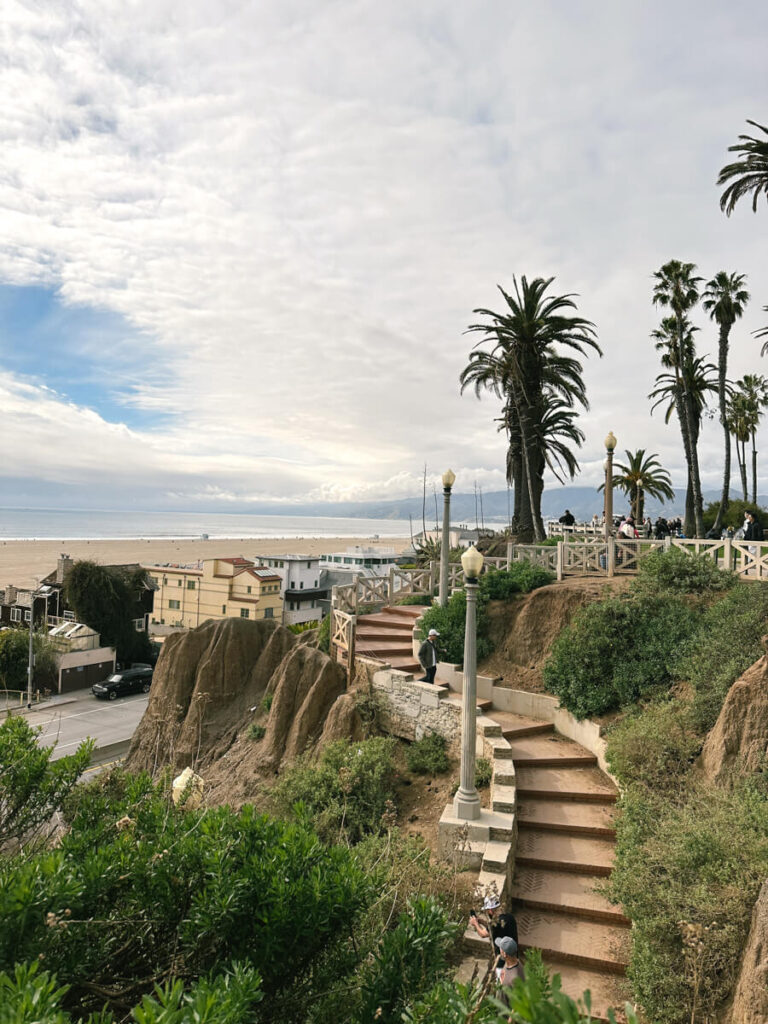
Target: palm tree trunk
[[754, 468], [741, 454], [722, 366], [689, 524], [692, 456], [527, 434]]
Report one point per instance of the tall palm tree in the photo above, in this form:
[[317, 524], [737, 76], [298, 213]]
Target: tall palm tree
[[700, 379], [526, 368], [748, 174], [677, 288], [754, 388], [740, 418], [643, 474], [724, 298]]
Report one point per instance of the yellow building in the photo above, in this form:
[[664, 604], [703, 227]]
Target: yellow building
[[217, 588]]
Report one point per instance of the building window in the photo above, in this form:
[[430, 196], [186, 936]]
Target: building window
[[245, 613], [178, 583], [223, 609], [268, 613], [292, 608], [301, 585], [190, 584], [315, 584], [15, 614], [174, 604], [309, 565], [248, 589], [155, 580]]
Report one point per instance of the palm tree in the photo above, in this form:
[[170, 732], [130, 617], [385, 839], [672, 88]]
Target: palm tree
[[740, 425], [677, 288], [643, 474], [538, 384], [748, 174], [724, 298], [754, 388], [700, 378], [763, 333]]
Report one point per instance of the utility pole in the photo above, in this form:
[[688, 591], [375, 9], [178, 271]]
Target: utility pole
[[31, 665]]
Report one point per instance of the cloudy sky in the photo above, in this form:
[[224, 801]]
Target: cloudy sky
[[241, 241]]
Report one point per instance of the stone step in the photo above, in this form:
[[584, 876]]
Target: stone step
[[390, 622], [501, 750], [587, 855], [383, 649], [591, 944], [372, 635], [607, 990], [589, 819], [521, 725], [586, 784], [491, 882], [409, 611], [503, 798], [474, 944], [488, 726], [565, 892], [484, 705], [405, 664], [504, 774], [496, 856], [549, 750]]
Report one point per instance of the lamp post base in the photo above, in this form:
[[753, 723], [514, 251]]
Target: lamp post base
[[467, 805]]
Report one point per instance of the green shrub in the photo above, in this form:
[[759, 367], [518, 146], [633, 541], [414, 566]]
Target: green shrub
[[266, 702], [409, 959], [654, 746], [417, 599], [698, 858], [256, 731], [324, 634], [679, 572], [303, 627], [520, 578], [450, 622], [726, 643], [734, 514], [615, 651], [483, 772], [346, 794], [428, 756]]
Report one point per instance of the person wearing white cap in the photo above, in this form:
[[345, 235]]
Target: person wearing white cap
[[428, 656], [498, 927]]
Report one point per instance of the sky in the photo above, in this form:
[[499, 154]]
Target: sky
[[242, 241]]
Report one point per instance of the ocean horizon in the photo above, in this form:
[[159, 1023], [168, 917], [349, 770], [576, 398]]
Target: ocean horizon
[[105, 524]]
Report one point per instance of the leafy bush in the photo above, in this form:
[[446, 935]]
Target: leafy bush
[[108, 599], [520, 578], [303, 627], [654, 746], [14, 660], [256, 731], [346, 794], [428, 755], [324, 635], [139, 889], [32, 787], [615, 651], [696, 859], [483, 772], [726, 643], [266, 702], [450, 622], [417, 599], [734, 515], [410, 958], [679, 572]]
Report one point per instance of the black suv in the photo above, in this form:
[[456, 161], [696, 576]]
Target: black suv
[[136, 679]]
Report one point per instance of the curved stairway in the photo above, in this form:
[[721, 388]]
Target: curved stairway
[[387, 636], [565, 847]]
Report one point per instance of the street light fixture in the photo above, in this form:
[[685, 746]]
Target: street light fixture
[[466, 803], [449, 479], [610, 444]]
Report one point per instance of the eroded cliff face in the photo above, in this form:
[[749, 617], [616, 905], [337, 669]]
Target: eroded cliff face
[[737, 744], [207, 682], [750, 999]]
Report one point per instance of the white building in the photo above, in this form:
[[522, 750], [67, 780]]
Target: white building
[[363, 561], [300, 588]]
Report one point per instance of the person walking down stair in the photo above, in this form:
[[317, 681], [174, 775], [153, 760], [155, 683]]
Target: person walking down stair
[[428, 657]]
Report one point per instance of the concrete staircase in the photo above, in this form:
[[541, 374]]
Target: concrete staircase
[[387, 636], [565, 847]]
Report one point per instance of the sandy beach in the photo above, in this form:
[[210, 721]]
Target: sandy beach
[[24, 562]]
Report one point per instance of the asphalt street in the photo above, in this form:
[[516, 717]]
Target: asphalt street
[[109, 722]]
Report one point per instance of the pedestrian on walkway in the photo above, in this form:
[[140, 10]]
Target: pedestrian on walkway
[[428, 653]]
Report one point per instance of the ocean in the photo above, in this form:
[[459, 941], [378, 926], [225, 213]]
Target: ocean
[[94, 524]]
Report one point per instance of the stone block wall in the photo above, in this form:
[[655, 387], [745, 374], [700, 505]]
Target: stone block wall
[[411, 709]]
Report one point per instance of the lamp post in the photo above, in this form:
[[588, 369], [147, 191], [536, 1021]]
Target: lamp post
[[449, 478], [610, 444], [466, 803]]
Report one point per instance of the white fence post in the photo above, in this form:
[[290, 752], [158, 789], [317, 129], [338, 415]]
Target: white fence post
[[559, 560], [611, 556]]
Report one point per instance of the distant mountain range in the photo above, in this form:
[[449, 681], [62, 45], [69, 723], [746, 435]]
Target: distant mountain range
[[492, 508]]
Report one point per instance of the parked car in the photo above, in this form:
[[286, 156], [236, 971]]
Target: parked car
[[136, 679]]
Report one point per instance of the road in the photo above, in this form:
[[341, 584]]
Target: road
[[110, 722]]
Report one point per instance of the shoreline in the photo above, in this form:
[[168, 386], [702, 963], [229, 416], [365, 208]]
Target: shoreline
[[24, 562]]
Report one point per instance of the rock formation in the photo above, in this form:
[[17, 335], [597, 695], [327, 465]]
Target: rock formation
[[208, 689], [750, 1000], [738, 742]]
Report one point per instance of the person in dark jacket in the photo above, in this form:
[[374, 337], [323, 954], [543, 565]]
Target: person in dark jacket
[[752, 528], [428, 656], [567, 518]]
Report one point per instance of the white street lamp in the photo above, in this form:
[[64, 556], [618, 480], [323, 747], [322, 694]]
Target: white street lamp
[[610, 444], [449, 479], [466, 803]]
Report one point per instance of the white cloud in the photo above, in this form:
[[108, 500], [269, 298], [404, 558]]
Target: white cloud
[[302, 203]]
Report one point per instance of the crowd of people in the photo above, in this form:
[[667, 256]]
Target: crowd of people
[[626, 527]]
